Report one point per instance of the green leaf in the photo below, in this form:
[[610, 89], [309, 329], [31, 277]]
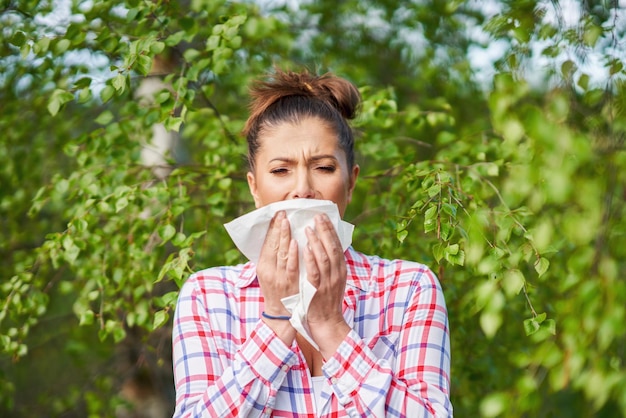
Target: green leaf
[[121, 203], [62, 45], [458, 258], [541, 317], [119, 83], [87, 318], [431, 213], [132, 14], [449, 209], [237, 20], [71, 249], [106, 93], [81, 225], [583, 81], [550, 325], [490, 322], [225, 183], [25, 50], [84, 95], [531, 326], [53, 106], [173, 123], [591, 35], [494, 405], [157, 47], [430, 225], [167, 300], [492, 169], [42, 45], [166, 232], [434, 190], [167, 266], [18, 39], [191, 54], [452, 249], [236, 42], [104, 118], [401, 235], [567, 68], [513, 282], [144, 64], [102, 334], [59, 98], [446, 230], [438, 251], [541, 265], [160, 318], [175, 38], [213, 42]]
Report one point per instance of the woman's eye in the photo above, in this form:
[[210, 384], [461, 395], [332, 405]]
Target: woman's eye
[[278, 171], [327, 168]]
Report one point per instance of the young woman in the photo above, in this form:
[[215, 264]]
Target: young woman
[[380, 325]]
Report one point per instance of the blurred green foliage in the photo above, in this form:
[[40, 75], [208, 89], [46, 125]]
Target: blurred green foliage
[[513, 193]]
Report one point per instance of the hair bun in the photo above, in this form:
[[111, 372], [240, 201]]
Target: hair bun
[[336, 91]]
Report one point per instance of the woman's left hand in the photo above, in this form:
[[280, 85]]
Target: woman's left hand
[[326, 270]]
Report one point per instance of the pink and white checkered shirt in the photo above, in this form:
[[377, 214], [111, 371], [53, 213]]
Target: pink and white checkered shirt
[[395, 362]]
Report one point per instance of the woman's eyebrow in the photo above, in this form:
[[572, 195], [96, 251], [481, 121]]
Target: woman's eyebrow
[[312, 158], [322, 157]]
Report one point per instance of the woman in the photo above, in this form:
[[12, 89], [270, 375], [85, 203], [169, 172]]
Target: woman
[[381, 326]]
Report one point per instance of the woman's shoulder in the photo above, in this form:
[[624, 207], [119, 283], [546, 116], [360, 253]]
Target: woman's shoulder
[[377, 268], [386, 266], [220, 276]]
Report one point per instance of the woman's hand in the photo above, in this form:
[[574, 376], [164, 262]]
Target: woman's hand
[[277, 269], [326, 270]]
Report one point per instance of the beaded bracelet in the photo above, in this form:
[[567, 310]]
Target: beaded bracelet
[[281, 317]]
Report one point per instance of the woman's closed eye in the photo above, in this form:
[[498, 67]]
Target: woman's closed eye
[[327, 168], [279, 170]]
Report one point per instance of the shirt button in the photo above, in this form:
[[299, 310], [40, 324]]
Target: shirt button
[[285, 368], [334, 380]]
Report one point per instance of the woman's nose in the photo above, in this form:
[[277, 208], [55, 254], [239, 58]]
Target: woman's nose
[[303, 187]]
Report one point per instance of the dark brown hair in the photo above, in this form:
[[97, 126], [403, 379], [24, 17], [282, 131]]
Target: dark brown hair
[[290, 97]]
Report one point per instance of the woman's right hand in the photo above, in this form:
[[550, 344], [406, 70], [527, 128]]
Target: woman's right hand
[[277, 268]]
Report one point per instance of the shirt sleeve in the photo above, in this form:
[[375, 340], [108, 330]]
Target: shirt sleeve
[[416, 380], [209, 386]]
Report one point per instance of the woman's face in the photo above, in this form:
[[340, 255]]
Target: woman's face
[[301, 160]]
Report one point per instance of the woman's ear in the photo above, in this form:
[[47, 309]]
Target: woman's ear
[[253, 189], [352, 180]]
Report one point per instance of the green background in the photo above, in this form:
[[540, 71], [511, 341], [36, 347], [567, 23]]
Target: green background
[[509, 181]]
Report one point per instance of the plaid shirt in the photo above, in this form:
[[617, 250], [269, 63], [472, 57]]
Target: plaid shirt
[[395, 362]]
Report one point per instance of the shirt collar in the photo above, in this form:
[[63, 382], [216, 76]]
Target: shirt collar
[[359, 269], [247, 275]]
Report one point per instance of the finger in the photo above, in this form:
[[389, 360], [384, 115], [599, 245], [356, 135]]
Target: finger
[[318, 252], [272, 238], [292, 259], [328, 237], [284, 243], [313, 273]]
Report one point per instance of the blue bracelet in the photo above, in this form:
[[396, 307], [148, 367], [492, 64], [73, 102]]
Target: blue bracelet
[[281, 317]]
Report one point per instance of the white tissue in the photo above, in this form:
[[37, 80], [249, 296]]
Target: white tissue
[[248, 233]]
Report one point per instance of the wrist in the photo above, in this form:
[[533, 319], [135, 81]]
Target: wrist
[[281, 327], [329, 338], [275, 317]]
